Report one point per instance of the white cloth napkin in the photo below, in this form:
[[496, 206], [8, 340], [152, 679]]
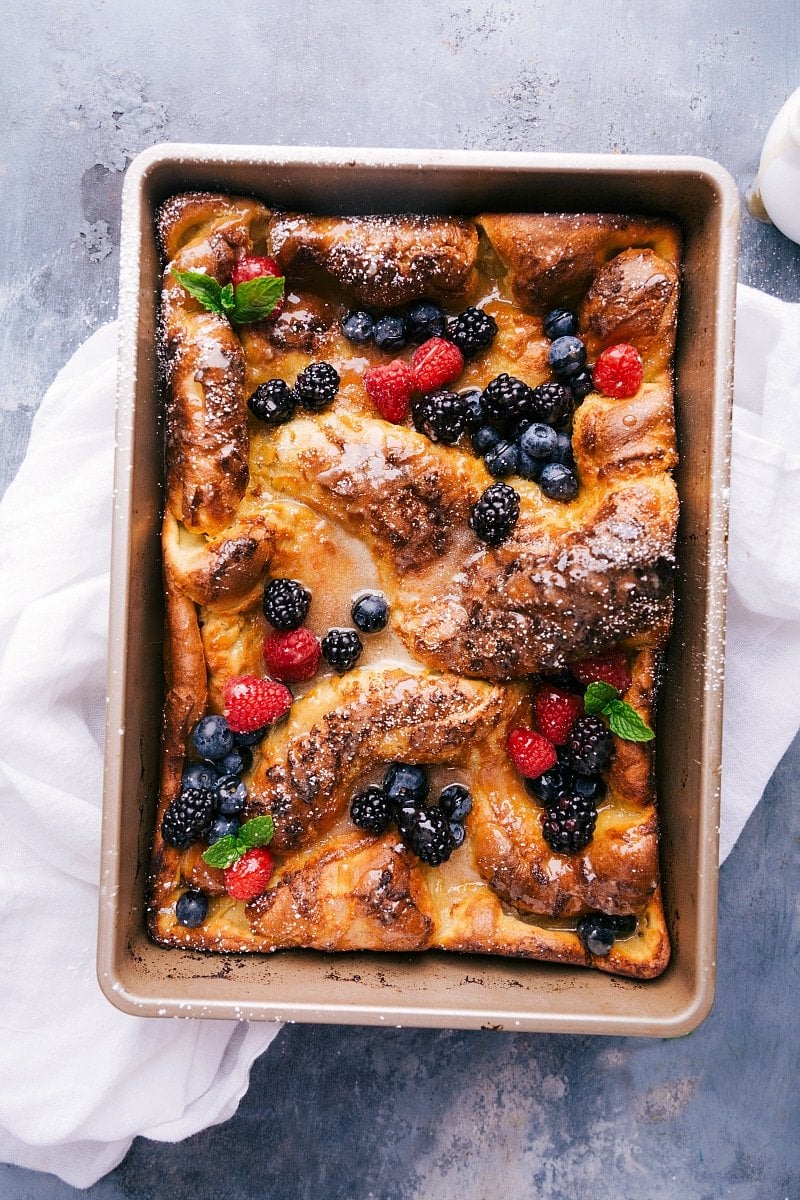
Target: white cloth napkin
[[78, 1080]]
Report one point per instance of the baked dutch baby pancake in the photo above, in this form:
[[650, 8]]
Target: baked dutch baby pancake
[[418, 549]]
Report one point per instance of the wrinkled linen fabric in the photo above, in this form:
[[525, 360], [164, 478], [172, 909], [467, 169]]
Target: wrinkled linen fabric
[[79, 1079]]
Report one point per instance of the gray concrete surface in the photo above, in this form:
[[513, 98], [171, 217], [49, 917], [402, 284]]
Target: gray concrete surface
[[405, 1115]]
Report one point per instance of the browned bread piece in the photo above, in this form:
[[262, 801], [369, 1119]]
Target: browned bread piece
[[344, 500]]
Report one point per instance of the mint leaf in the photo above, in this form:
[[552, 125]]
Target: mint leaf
[[226, 299], [257, 832], [256, 298], [225, 852], [626, 723], [202, 287], [598, 695]]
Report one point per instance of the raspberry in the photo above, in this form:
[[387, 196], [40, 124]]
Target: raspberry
[[618, 371], [389, 387], [249, 876], [555, 712], [252, 702], [436, 363], [611, 668], [253, 267], [293, 656], [530, 753]]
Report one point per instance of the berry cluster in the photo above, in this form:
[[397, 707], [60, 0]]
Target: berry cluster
[[274, 402], [471, 331], [562, 758], [292, 654], [431, 831]]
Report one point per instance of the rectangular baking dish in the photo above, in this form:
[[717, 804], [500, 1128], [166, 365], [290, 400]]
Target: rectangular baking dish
[[432, 989]]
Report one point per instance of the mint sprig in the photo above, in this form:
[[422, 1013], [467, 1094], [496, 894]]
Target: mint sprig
[[250, 301], [229, 849], [623, 720]]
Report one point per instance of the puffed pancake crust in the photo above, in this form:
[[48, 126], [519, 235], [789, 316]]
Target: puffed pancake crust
[[346, 502]]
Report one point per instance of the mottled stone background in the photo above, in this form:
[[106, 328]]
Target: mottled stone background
[[375, 1114]]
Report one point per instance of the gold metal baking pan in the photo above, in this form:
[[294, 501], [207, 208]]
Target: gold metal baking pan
[[431, 989]]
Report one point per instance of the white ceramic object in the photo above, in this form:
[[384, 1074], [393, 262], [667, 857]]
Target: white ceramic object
[[776, 193]]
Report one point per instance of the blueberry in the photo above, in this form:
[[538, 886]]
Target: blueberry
[[624, 926], [560, 322], [457, 833], [591, 787], [549, 786], [474, 407], [357, 328], [581, 384], [406, 782], [502, 459], [231, 796], [530, 468], [559, 482], [567, 356], [389, 333], [455, 802], [425, 321], [222, 827], [485, 438], [246, 740], [539, 440], [199, 775], [212, 739], [563, 451], [237, 762], [597, 933], [192, 909], [370, 612]]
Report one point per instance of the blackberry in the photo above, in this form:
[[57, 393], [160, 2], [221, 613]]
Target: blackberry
[[502, 459], [191, 909], [371, 810], [273, 402], [357, 327], [559, 482], [581, 384], [568, 824], [188, 818], [441, 416], [567, 356], [455, 802], [551, 403], [286, 604], [590, 745], [472, 330], [559, 322], [428, 835], [507, 400], [493, 516], [341, 648], [425, 321], [316, 386]]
